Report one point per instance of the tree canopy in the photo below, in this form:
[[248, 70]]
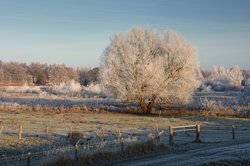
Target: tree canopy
[[142, 66]]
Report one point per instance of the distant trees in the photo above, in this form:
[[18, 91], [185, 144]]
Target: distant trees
[[246, 74], [222, 79], [205, 73], [39, 73], [1, 75], [61, 74], [1, 71], [83, 76], [13, 73], [88, 76], [247, 85], [147, 68]]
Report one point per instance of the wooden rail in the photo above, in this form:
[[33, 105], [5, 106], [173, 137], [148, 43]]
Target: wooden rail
[[196, 129]]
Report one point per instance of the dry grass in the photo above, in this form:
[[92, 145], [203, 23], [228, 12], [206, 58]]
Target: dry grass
[[82, 119], [35, 123]]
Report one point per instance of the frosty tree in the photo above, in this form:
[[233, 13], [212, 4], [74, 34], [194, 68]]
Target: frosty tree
[[143, 67], [226, 79]]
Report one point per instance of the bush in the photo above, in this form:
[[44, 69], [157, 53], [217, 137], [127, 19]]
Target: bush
[[70, 88], [94, 90]]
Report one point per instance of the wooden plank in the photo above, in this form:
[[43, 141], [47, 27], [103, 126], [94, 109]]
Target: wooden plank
[[188, 126]]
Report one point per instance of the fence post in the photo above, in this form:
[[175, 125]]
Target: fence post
[[76, 152], [1, 129], [47, 131], [233, 131], [198, 130], [20, 130], [120, 139], [70, 132], [171, 135], [122, 145], [28, 159]]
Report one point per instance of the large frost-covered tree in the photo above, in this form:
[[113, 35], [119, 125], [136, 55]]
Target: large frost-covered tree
[[143, 67]]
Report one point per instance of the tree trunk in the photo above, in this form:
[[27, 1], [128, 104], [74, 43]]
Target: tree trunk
[[147, 107]]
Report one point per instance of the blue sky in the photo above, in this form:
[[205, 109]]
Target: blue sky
[[75, 32]]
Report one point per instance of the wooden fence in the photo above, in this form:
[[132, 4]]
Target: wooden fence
[[174, 129], [118, 144]]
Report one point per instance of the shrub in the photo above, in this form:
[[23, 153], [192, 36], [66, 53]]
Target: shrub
[[67, 88], [94, 89]]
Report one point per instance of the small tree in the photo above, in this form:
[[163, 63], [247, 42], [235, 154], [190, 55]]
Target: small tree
[[39, 73], [144, 67], [57, 74], [61, 74]]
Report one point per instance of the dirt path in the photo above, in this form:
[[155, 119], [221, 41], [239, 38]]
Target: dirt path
[[230, 152]]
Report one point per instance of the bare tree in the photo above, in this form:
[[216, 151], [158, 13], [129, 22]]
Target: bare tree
[[57, 74], [93, 75], [144, 67], [1, 75], [1, 64], [1, 72], [83, 76], [88, 76], [71, 74], [61, 74], [39, 73], [246, 74], [15, 73]]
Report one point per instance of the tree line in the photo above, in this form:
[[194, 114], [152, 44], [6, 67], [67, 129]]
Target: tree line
[[14, 73]]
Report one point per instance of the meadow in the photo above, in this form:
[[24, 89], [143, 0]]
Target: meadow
[[53, 124]]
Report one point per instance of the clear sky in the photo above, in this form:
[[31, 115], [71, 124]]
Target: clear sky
[[75, 32]]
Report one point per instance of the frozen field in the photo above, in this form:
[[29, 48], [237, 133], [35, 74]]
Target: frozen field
[[214, 133], [47, 121]]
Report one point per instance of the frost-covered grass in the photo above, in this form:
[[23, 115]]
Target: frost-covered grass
[[64, 90], [22, 89], [34, 124], [231, 103], [140, 128], [60, 112], [87, 114]]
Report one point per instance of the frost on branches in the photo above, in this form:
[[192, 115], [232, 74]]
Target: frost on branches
[[223, 79], [150, 69]]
